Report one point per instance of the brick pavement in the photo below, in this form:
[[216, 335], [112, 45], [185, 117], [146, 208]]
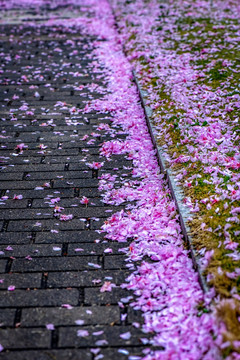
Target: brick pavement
[[55, 282]]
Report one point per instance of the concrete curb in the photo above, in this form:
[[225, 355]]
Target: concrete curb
[[176, 191]]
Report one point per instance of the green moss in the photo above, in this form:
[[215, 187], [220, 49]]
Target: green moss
[[132, 37]]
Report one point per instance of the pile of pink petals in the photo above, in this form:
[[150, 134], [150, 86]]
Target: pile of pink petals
[[165, 285]]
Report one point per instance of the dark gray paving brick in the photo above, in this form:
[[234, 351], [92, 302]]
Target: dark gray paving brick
[[88, 192], [42, 194], [98, 249], [15, 204], [53, 264], [115, 262], [48, 213], [68, 237], [93, 315], [94, 296], [86, 278], [70, 354], [37, 167], [3, 264], [24, 160], [25, 338], [134, 315], [33, 250], [40, 297], [117, 353], [56, 175], [7, 317], [111, 334], [96, 224], [21, 281], [20, 185], [73, 160], [10, 176], [15, 214], [46, 225], [15, 238], [10, 145]]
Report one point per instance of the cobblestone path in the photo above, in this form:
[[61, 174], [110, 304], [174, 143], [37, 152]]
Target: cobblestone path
[[52, 265]]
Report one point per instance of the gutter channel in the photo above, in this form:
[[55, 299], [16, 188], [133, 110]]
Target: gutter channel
[[176, 191]]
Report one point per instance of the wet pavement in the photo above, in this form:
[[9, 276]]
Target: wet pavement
[[53, 262]]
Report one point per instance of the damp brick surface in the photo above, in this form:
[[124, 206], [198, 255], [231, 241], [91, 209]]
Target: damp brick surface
[[45, 278]]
